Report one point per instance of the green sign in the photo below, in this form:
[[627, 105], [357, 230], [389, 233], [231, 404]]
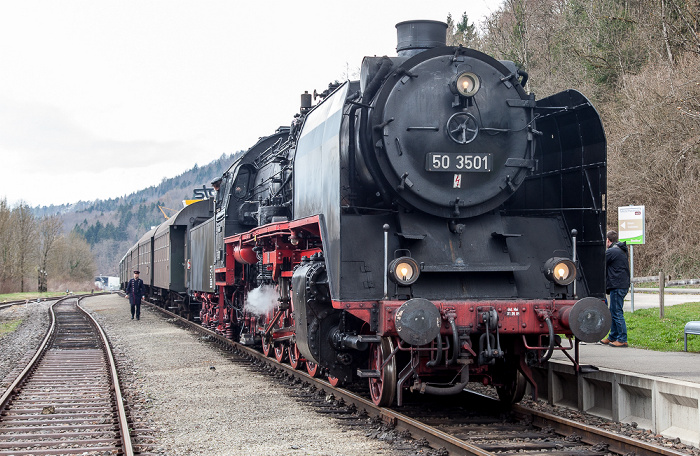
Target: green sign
[[630, 224]]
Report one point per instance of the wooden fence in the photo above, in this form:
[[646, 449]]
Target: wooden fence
[[664, 281]]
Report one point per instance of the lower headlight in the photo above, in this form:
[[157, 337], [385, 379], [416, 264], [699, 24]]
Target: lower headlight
[[561, 271], [404, 271]]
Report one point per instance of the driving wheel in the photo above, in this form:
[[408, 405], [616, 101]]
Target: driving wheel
[[312, 368], [382, 388], [295, 356], [335, 381], [267, 348], [280, 352], [513, 388]]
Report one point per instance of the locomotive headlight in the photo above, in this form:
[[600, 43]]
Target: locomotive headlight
[[561, 271], [404, 271], [465, 84]]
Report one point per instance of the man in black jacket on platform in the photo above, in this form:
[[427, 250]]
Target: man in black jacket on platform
[[617, 282], [134, 290]]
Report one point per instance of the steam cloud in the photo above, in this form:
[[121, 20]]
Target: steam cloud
[[261, 300]]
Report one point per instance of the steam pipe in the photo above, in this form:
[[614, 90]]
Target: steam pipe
[[446, 391], [386, 260], [525, 76], [438, 356], [376, 82], [351, 148], [573, 256], [548, 355], [455, 342]]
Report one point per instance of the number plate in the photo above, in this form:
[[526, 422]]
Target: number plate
[[475, 163]]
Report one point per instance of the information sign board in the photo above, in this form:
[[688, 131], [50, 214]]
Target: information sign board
[[630, 223]]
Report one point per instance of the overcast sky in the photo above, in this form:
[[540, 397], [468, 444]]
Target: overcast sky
[[99, 99]]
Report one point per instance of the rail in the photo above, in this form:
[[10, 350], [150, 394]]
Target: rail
[[32, 362], [127, 447], [40, 356], [443, 441]]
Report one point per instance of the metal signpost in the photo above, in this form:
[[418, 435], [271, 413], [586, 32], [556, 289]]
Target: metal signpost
[[632, 230]]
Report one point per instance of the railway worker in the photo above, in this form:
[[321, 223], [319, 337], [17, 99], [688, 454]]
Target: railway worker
[[134, 290], [216, 183], [617, 282]]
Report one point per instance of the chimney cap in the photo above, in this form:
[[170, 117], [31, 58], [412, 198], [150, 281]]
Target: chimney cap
[[418, 35]]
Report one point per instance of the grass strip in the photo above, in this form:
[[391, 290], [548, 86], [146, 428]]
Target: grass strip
[[646, 330]]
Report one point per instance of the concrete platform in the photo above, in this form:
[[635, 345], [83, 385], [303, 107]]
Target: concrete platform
[[657, 390], [670, 365]]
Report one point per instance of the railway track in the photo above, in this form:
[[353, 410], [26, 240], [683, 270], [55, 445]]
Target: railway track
[[8, 304], [67, 400], [469, 424]]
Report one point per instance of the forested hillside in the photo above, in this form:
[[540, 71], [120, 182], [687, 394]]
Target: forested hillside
[[638, 61], [111, 226], [65, 247]]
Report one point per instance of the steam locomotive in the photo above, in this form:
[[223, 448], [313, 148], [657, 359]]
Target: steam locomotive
[[426, 226]]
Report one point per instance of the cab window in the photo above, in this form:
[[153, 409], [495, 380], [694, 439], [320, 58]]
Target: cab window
[[240, 186]]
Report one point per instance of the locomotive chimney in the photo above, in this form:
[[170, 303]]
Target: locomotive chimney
[[414, 37]]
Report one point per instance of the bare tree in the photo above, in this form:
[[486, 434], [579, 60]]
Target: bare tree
[[665, 30], [6, 251], [654, 158], [25, 227], [50, 230], [683, 20], [637, 60], [74, 259]]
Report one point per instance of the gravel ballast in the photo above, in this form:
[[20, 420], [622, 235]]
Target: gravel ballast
[[187, 398], [196, 402], [19, 345]]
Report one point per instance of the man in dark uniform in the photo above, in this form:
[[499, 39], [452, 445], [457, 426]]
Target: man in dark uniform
[[134, 290]]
